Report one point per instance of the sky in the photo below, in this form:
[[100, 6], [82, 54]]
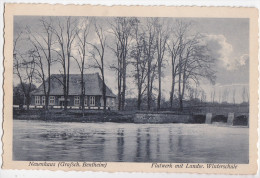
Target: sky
[[227, 39]]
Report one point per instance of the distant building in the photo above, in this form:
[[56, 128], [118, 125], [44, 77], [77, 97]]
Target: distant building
[[93, 93]]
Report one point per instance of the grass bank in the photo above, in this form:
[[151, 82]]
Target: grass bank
[[75, 116]]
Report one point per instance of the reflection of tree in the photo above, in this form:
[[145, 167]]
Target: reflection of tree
[[120, 144], [179, 138], [147, 146], [138, 145], [170, 140], [158, 145]]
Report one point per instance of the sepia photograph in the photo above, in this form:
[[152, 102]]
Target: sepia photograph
[[152, 91]]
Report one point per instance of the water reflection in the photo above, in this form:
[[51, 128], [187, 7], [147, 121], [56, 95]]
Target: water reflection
[[46, 141], [138, 145], [179, 136], [120, 144], [147, 146], [170, 140], [157, 145]]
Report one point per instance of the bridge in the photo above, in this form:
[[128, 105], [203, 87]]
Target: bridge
[[232, 119]]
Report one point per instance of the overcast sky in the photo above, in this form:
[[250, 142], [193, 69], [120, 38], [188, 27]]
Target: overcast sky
[[228, 40]]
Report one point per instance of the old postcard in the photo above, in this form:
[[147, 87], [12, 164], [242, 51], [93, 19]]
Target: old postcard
[[130, 88]]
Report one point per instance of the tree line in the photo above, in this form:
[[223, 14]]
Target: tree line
[[145, 45]]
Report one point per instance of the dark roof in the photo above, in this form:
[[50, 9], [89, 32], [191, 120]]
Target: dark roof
[[93, 85]]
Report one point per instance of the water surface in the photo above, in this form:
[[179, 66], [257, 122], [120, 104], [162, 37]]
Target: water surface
[[114, 142]]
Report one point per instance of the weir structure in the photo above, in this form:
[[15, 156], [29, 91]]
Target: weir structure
[[231, 119]]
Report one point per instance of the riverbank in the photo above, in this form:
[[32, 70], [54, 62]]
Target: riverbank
[[75, 116], [141, 117], [108, 116]]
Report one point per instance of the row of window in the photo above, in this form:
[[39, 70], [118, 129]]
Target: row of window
[[110, 101], [76, 100], [91, 101]]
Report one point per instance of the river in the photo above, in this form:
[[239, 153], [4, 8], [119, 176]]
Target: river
[[126, 142]]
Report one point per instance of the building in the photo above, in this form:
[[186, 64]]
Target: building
[[93, 93]]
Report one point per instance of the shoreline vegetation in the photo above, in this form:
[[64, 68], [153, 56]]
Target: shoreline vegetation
[[159, 117]]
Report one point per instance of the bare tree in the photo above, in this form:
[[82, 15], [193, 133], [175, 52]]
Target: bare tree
[[97, 54], [65, 31], [194, 61], [81, 45], [173, 49], [24, 68], [161, 37], [122, 28], [42, 43], [140, 64], [149, 52]]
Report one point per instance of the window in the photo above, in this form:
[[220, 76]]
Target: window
[[52, 100], [86, 101], [37, 100], [76, 100], [108, 101], [92, 101], [43, 100]]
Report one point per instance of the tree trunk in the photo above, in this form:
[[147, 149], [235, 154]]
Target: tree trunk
[[65, 89], [49, 86], [82, 98], [148, 85], [104, 91], [119, 100], [181, 104], [124, 84], [68, 82], [172, 91], [28, 102], [46, 102], [160, 87], [119, 85], [104, 96], [180, 95], [139, 100]]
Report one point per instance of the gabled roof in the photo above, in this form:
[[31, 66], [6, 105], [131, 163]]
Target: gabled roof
[[93, 85]]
